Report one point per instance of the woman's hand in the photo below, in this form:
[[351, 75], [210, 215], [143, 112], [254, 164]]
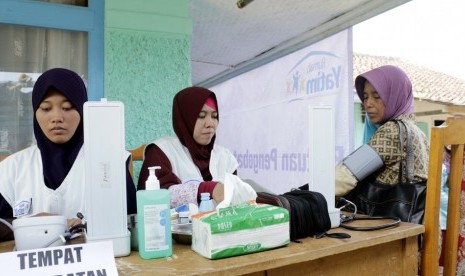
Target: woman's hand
[[73, 222], [218, 192]]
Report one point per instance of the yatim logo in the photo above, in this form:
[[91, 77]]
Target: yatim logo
[[316, 72]]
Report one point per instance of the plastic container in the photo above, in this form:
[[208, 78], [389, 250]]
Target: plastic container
[[39, 232], [154, 219], [206, 204]]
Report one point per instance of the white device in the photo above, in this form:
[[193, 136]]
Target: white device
[[39, 232], [105, 161], [322, 157]]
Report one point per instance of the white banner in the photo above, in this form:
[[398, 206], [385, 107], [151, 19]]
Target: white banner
[[264, 112]]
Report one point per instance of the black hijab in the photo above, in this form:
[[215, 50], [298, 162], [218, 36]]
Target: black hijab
[[57, 159], [187, 105]]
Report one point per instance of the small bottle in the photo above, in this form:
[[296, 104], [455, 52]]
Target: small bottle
[[154, 219], [206, 204]]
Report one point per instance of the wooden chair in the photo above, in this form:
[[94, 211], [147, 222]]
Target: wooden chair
[[453, 133], [3, 156], [137, 154]]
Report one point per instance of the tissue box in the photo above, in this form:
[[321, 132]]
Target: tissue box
[[239, 230]]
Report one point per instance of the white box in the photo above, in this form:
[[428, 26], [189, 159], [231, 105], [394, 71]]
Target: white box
[[322, 157], [105, 156]]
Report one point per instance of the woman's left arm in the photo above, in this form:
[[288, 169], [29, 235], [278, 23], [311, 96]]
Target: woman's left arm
[[6, 213]]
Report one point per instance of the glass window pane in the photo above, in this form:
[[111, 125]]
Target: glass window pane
[[26, 52]]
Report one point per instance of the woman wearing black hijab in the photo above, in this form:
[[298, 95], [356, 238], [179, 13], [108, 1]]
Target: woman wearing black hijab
[[49, 177], [192, 157]]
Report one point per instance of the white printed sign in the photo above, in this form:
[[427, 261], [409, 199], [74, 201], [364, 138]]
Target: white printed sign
[[264, 112], [80, 259]]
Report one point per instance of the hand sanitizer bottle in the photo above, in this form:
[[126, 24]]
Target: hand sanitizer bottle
[[154, 219], [206, 204]]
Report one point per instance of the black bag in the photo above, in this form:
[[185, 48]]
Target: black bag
[[273, 199], [404, 200], [308, 212]]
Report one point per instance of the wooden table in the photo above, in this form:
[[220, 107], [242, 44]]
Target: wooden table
[[382, 252]]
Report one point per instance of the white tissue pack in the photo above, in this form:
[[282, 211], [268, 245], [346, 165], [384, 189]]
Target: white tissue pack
[[240, 229]]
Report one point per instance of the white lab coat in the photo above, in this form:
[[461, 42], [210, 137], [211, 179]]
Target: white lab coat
[[21, 178], [222, 161]]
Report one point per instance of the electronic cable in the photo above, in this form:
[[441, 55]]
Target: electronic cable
[[345, 220], [6, 223]]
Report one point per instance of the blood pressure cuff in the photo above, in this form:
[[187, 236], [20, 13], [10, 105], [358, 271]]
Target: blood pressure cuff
[[363, 162]]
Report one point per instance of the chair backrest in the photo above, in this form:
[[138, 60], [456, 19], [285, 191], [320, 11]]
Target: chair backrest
[[137, 154], [3, 156], [453, 134]]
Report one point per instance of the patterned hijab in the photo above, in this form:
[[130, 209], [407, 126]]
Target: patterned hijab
[[57, 159], [394, 88], [187, 105]]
